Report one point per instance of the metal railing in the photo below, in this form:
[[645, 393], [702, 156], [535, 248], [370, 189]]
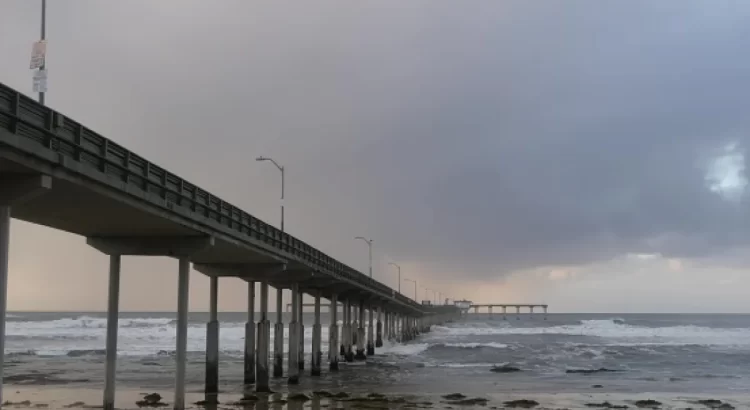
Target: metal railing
[[27, 118]]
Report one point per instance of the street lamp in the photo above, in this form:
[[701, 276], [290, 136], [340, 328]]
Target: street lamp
[[262, 158], [369, 245], [399, 274], [415, 288]]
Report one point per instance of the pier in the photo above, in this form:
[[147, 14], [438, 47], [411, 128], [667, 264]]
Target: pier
[[466, 306], [56, 172]]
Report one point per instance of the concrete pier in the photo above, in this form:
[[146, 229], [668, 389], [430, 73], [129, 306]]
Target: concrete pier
[[278, 336], [370, 332], [379, 329], [361, 333], [212, 344], [316, 353], [293, 351], [333, 336], [113, 307], [183, 292], [349, 350], [262, 374], [345, 321], [301, 332], [249, 368]]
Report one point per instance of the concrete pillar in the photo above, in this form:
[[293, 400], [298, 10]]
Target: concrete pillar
[[370, 332], [355, 325], [293, 352], [379, 329], [301, 332], [344, 327], [278, 336], [333, 336], [316, 353], [361, 333], [183, 288], [13, 190], [249, 371], [113, 311], [212, 343], [262, 379], [349, 355]]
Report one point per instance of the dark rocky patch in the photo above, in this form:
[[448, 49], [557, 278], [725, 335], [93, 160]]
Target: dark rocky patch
[[606, 405], [522, 404], [298, 397], [322, 393], [86, 352], [477, 401], [204, 403], [151, 364], [75, 404], [506, 368], [715, 404], [41, 405], [454, 396], [597, 386], [376, 396], [340, 395], [590, 371], [25, 403], [653, 404], [151, 400], [166, 353]]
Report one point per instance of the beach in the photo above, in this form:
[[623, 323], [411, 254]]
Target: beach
[[567, 361]]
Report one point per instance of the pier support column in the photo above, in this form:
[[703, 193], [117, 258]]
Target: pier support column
[[183, 291], [262, 379], [316, 354], [333, 336], [212, 344], [349, 355], [344, 328], [249, 370], [15, 189], [370, 332], [361, 333], [379, 329], [293, 352], [113, 310], [301, 332], [278, 336]]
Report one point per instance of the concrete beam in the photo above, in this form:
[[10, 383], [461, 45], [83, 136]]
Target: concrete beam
[[179, 246], [256, 272], [18, 188]]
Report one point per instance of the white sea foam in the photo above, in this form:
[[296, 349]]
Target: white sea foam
[[619, 333], [136, 336]]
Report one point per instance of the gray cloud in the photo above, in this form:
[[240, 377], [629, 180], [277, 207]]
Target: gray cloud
[[483, 139]]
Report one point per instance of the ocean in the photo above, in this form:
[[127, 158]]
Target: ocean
[[578, 354]]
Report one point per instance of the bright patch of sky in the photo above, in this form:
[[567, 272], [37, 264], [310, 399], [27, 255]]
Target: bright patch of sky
[[726, 173]]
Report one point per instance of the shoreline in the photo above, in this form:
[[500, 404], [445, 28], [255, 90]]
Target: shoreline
[[39, 397]]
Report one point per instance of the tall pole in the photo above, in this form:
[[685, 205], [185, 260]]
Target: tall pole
[[281, 168], [369, 245], [44, 36], [415, 288], [399, 274]]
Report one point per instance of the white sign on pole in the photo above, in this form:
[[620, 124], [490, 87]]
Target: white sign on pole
[[38, 54], [40, 81]]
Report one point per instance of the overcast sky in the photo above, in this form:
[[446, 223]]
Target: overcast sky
[[586, 154]]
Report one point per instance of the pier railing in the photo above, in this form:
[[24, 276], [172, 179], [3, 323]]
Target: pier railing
[[50, 135]]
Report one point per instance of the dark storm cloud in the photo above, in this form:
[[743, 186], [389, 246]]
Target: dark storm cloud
[[481, 137]]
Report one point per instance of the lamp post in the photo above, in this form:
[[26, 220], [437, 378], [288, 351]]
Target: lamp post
[[415, 288], [369, 246], [281, 168], [399, 274]]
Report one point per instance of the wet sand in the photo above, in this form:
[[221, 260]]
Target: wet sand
[[41, 397]]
